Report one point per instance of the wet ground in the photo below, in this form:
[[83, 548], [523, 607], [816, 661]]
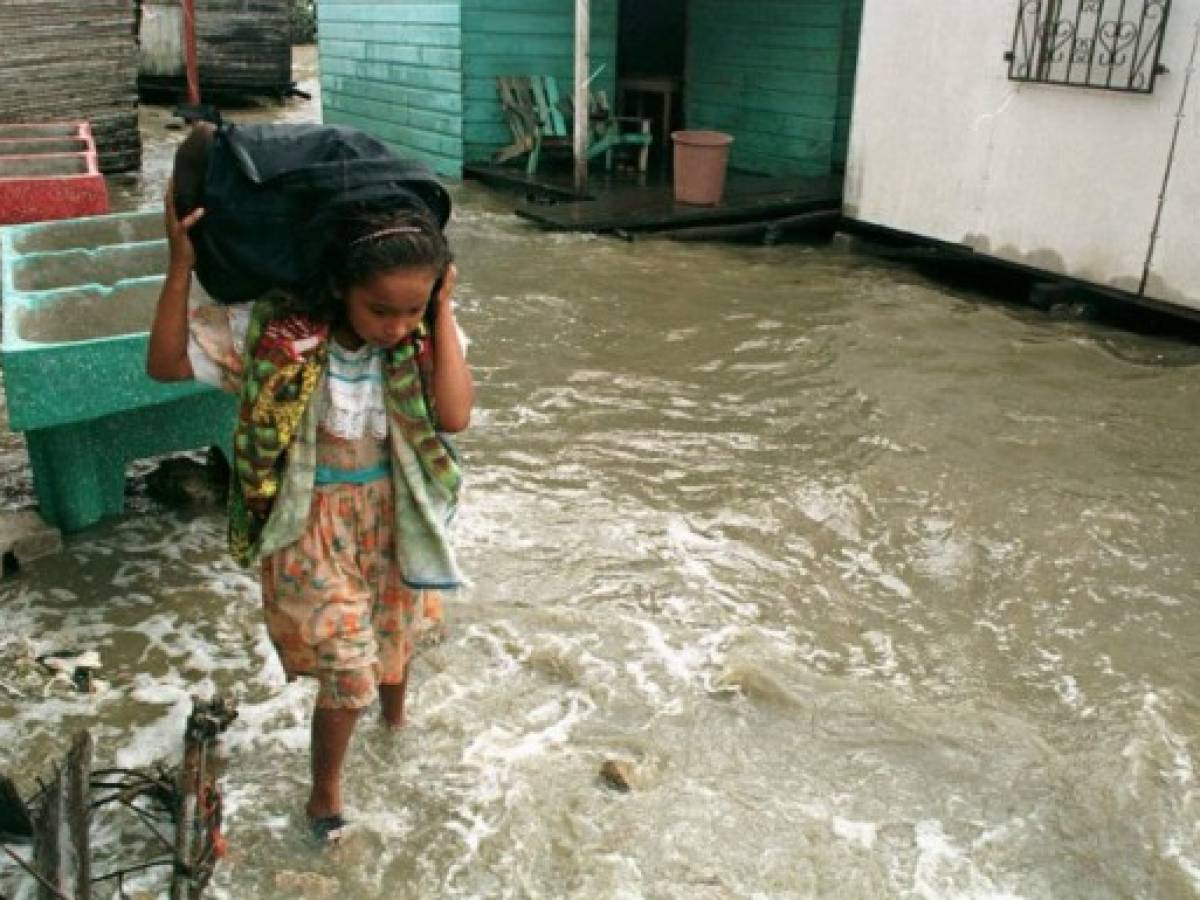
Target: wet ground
[[878, 587]]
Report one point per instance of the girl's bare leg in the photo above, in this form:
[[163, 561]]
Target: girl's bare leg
[[331, 733], [391, 698]]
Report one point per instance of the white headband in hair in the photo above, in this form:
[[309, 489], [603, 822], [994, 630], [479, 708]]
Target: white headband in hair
[[384, 232]]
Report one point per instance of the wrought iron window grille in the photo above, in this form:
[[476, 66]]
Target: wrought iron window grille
[[1108, 44]]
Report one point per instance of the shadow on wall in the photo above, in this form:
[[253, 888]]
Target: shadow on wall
[[975, 277], [302, 22]]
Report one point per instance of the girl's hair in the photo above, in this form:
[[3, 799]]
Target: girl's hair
[[365, 242]]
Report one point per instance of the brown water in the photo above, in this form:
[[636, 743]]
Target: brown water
[[881, 590]]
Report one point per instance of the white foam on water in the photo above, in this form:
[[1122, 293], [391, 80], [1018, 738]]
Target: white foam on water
[[281, 720], [160, 740], [943, 555], [754, 345], [503, 649], [1160, 760], [665, 673], [649, 689], [835, 508], [572, 660], [861, 833], [886, 664], [1067, 688], [882, 442], [160, 689], [499, 747], [697, 556], [860, 563], [269, 673], [493, 780], [943, 870]]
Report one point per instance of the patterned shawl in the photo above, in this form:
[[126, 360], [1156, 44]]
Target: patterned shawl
[[286, 355]]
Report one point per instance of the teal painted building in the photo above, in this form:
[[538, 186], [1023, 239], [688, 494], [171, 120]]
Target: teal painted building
[[776, 74]]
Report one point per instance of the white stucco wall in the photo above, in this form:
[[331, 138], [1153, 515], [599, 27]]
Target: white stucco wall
[[1065, 179]]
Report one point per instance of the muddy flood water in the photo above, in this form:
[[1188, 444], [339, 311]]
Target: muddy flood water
[[879, 589]]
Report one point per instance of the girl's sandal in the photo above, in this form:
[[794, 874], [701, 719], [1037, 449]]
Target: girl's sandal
[[328, 830]]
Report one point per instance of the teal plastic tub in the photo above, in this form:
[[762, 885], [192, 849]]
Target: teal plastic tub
[[79, 298]]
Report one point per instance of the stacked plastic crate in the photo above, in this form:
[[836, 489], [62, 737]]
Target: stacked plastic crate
[[66, 60], [49, 171]]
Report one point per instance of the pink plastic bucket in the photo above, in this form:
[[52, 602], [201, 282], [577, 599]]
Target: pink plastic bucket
[[701, 158]]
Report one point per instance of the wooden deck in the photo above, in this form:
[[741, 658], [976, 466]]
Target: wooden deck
[[628, 202]]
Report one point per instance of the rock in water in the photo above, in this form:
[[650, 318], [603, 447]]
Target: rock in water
[[617, 775]]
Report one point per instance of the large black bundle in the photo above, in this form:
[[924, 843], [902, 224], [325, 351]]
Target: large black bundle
[[272, 195]]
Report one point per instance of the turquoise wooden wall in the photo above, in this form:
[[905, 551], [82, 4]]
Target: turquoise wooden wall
[[852, 27], [516, 37], [777, 74], [394, 69], [770, 72]]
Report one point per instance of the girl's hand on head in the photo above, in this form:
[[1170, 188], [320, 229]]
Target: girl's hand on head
[[444, 298], [183, 254], [453, 388]]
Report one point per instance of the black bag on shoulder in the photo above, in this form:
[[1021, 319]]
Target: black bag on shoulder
[[272, 194]]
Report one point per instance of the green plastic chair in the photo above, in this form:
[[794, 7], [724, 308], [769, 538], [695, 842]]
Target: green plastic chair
[[540, 118]]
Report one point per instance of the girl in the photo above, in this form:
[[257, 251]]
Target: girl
[[343, 486]]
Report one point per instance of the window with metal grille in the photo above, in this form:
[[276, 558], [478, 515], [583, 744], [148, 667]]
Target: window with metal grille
[[1109, 44]]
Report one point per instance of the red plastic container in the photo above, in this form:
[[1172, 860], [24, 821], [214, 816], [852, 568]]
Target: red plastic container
[[49, 171]]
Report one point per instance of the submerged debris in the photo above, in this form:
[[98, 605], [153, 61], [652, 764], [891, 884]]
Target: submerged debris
[[58, 817], [75, 669], [182, 481], [69, 670]]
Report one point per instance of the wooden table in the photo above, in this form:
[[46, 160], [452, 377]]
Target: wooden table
[[640, 87]]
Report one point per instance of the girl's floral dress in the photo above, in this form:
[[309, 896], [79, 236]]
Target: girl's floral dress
[[335, 602]]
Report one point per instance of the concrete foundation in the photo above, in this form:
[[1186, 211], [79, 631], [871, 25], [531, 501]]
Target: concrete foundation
[[24, 537]]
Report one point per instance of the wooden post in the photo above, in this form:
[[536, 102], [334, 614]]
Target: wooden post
[[581, 124], [189, 829], [79, 811], [61, 861], [48, 849], [62, 847], [190, 60], [197, 816]]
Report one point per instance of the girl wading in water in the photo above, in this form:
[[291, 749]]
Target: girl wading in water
[[343, 484]]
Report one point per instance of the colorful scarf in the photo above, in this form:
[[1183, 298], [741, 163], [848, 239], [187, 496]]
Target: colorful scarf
[[284, 361]]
